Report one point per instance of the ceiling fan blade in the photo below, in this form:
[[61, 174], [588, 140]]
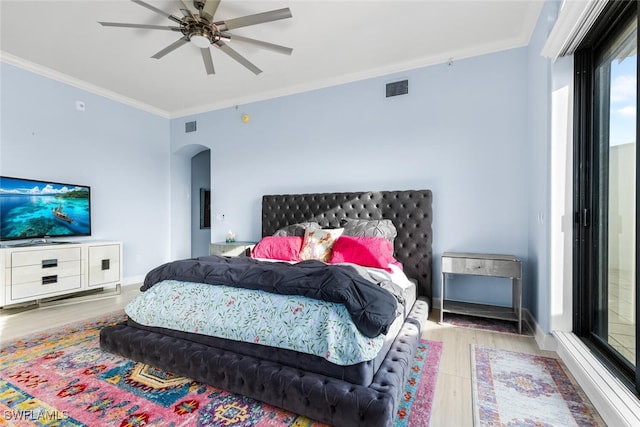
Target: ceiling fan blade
[[258, 18], [265, 45], [210, 8], [173, 46], [158, 11], [208, 61], [148, 27], [235, 55], [184, 8]]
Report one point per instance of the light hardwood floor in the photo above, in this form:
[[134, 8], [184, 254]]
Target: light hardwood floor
[[452, 403], [16, 322]]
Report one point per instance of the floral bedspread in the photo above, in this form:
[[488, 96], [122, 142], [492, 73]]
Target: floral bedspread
[[297, 323]]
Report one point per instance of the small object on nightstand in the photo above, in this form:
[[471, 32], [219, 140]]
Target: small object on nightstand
[[492, 265], [231, 237], [231, 249]]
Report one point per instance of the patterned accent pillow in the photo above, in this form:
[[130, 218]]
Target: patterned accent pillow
[[370, 228], [317, 244], [297, 229]]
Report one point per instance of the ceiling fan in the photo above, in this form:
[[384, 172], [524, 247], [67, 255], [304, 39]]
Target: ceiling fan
[[200, 28]]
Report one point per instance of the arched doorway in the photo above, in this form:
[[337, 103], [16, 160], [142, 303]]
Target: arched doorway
[[184, 206], [200, 203]]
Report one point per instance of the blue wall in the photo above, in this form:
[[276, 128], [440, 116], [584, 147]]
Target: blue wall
[[461, 132], [538, 289], [121, 152]]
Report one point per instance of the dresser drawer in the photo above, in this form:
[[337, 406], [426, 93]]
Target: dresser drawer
[[47, 257], [481, 267], [35, 273], [26, 282]]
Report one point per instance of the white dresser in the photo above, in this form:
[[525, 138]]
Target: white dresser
[[43, 271]]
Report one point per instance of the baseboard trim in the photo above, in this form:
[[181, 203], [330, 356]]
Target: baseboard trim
[[133, 280], [544, 340], [616, 404]]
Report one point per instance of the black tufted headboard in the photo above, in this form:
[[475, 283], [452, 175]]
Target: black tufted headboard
[[410, 211]]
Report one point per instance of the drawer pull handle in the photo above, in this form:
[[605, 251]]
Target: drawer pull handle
[[106, 264], [48, 280], [49, 263]]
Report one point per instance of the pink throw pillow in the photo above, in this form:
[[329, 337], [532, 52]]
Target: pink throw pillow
[[283, 248], [374, 252]]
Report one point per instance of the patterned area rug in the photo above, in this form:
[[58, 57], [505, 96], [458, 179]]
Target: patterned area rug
[[483, 323], [518, 389], [62, 378]]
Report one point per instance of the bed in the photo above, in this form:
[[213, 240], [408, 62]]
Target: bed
[[362, 393]]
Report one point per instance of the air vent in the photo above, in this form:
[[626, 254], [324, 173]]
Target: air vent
[[397, 88], [190, 127]]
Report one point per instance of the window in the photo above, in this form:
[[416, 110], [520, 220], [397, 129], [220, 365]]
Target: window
[[606, 191]]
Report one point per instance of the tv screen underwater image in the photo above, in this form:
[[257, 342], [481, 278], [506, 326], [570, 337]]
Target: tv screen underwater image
[[32, 209]]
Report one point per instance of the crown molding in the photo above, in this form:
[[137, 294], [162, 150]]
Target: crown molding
[[10, 59]]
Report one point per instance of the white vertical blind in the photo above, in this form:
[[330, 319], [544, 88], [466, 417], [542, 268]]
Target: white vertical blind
[[574, 21]]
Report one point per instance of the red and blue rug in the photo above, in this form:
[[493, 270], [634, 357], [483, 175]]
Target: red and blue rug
[[63, 378], [525, 390]]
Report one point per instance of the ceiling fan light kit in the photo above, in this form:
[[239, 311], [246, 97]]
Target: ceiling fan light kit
[[199, 40], [199, 28]]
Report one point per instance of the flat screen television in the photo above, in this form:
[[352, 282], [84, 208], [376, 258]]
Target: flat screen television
[[31, 209]]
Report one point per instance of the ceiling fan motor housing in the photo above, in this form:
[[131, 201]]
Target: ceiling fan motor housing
[[193, 27]]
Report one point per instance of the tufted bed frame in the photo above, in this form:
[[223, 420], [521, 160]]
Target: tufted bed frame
[[323, 398]]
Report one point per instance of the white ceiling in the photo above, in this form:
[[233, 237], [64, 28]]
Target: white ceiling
[[333, 42]]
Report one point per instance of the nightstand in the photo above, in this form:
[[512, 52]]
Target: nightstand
[[507, 266], [231, 249]]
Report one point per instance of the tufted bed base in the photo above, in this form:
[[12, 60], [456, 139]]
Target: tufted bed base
[[320, 397]]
